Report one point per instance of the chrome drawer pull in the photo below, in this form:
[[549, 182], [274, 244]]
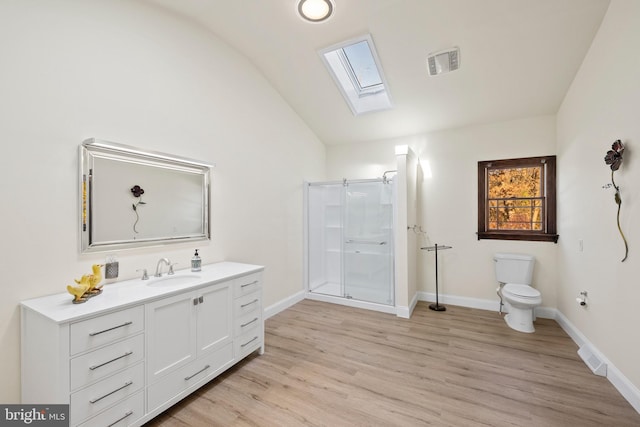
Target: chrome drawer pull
[[249, 303], [128, 353], [249, 284], [249, 322], [127, 384], [93, 334], [248, 342], [201, 370], [120, 419]]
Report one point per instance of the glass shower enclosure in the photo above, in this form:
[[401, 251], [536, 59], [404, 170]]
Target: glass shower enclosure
[[350, 241]]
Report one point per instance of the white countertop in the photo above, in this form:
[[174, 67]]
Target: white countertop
[[118, 295]]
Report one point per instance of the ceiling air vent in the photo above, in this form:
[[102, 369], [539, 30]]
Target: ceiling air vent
[[443, 61]]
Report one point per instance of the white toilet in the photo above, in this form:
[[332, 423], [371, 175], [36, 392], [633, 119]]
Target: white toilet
[[514, 273]]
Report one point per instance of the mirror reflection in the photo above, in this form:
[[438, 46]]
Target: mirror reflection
[[131, 197]]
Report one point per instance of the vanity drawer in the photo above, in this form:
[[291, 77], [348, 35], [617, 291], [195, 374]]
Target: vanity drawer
[[247, 284], [102, 330], [248, 322], [103, 362], [122, 414], [247, 304], [247, 343], [90, 401], [178, 381]]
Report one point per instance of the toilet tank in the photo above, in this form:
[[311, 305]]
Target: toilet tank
[[514, 268]]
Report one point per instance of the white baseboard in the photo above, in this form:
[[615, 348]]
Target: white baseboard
[[282, 305], [482, 304], [615, 377], [623, 385], [406, 312], [546, 313], [414, 302]]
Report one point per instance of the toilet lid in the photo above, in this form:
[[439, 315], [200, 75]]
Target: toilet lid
[[523, 291]]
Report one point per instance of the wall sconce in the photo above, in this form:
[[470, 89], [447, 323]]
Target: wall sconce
[[315, 10]]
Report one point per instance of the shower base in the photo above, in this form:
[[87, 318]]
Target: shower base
[[332, 292]]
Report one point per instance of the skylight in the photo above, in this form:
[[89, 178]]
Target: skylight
[[355, 68], [362, 65]]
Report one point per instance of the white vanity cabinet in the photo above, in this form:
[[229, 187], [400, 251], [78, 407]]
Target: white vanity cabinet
[[189, 339], [126, 355], [92, 364], [247, 309]]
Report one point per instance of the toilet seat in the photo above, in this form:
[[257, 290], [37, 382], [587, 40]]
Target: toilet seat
[[521, 291]]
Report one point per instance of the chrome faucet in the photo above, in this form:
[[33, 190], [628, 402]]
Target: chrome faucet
[[159, 266], [145, 276]]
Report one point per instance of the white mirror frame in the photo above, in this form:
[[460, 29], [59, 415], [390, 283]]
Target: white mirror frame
[[173, 169]]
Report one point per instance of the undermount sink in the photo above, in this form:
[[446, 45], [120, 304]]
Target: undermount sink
[[173, 280]]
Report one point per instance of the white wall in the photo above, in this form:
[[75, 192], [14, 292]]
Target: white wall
[[448, 200], [602, 106], [126, 72], [406, 244]]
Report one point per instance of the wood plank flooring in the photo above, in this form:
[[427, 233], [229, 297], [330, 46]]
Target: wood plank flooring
[[330, 365]]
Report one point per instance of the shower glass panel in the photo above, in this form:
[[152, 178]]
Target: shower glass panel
[[325, 239], [350, 241], [368, 242]]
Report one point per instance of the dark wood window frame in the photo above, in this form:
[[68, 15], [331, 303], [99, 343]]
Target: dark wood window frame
[[549, 231]]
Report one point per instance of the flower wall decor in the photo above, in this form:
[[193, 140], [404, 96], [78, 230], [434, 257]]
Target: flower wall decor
[[613, 158], [137, 192]]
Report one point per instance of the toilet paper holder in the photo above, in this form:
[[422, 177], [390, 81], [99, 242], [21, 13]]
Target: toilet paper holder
[[582, 299]]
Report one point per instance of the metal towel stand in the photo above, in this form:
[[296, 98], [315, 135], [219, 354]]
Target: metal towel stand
[[436, 248]]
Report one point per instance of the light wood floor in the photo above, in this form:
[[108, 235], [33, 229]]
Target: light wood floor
[[330, 365]]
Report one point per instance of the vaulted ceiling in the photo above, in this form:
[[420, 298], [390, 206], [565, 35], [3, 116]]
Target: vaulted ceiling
[[518, 57]]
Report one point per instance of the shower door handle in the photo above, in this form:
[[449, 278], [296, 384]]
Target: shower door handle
[[366, 242]]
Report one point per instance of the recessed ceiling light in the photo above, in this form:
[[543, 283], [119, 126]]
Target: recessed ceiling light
[[315, 10]]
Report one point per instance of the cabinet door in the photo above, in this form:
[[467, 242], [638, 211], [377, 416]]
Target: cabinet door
[[171, 337], [214, 315]]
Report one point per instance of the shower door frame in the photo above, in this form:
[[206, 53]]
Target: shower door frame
[[342, 299]]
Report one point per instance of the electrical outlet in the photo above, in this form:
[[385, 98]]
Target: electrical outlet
[[580, 245], [111, 267]]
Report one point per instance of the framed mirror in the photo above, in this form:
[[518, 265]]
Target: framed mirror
[[132, 198]]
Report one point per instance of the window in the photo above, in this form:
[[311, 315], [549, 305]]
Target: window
[[517, 199], [355, 68]]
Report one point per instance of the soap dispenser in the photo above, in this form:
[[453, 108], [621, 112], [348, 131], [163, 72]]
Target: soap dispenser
[[196, 262]]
